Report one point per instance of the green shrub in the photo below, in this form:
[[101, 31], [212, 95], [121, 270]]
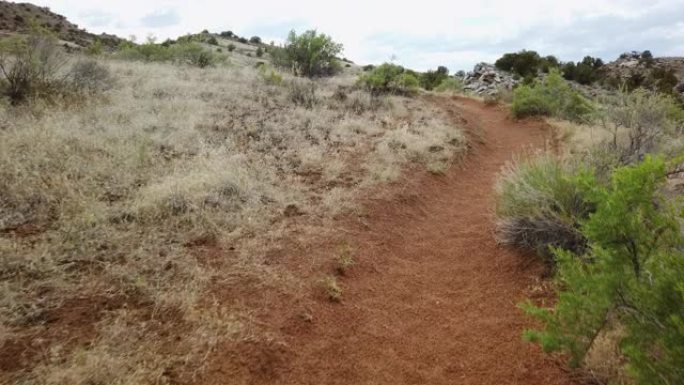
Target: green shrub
[[269, 75], [96, 48], [450, 85], [539, 206], [639, 121], [312, 54], [585, 72], [30, 67], [431, 79], [231, 47], [662, 80], [631, 274], [34, 67], [526, 63], [184, 52], [259, 52], [552, 96], [389, 78], [212, 40]]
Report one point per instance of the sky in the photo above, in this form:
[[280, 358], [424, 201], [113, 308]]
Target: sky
[[420, 35]]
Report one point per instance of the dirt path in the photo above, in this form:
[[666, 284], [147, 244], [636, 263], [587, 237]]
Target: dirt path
[[432, 299]]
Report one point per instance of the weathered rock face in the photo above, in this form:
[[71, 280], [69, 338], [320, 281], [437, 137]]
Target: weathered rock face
[[630, 65], [485, 79]]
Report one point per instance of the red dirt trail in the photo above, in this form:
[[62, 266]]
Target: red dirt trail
[[432, 299]]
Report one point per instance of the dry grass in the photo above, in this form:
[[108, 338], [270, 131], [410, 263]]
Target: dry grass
[[112, 200], [605, 363]]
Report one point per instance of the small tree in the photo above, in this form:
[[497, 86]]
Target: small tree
[[259, 52], [312, 54], [646, 57], [632, 275], [30, 67], [523, 63], [255, 40], [431, 79]]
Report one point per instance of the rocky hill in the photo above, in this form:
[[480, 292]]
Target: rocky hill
[[633, 66], [17, 18]]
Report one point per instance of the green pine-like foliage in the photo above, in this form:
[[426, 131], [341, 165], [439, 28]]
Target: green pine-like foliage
[[633, 274]]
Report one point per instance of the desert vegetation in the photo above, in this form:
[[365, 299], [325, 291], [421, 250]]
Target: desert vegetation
[[107, 204], [389, 79], [594, 71], [551, 96], [598, 214], [176, 208]]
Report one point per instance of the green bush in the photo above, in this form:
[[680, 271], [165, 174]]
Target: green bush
[[312, 54], [431, 79], [585, 72], [269, 75], [450, 85], [181, 53], [552, 96], [526, 63], [96, 48], [631, 274], [389, 78], [231, 47]]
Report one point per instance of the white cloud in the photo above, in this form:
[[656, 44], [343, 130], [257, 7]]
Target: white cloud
[[423, 35]]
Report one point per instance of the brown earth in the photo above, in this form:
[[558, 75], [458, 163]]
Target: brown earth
[[432, 297]]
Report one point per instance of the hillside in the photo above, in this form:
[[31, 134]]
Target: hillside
[[19, 17], [217, 209], [631, 65]]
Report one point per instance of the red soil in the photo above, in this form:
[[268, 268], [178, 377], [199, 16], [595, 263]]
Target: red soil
[[432, 298]]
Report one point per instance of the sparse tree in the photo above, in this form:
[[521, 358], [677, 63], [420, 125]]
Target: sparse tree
[[312, 54]]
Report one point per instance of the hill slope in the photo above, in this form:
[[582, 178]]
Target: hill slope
[[19, 18]]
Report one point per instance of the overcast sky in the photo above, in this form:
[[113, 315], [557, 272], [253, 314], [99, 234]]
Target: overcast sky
[[425, 34]]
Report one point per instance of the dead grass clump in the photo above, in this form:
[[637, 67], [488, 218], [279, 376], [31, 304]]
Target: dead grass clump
[[91, 77], [332, 289], [539, 206], [604, 362], [303, 93]]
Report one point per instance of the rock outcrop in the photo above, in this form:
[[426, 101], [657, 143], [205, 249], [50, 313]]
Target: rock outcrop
[[485, 79]]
